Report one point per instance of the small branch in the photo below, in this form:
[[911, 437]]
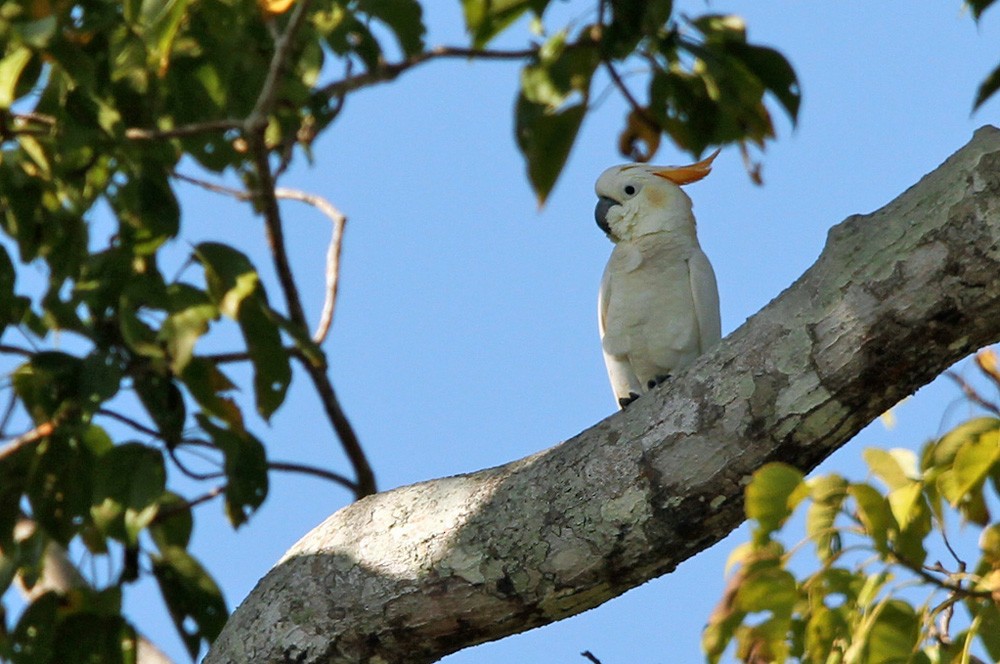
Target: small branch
[[227, 358], [30, 437], [338, 220], [256, 122], [192, 474], [15, 350], [639, 109], [971, 394], [940, 583], [590, 656], [341, 425], [8, 413], [290, 467], [173, 510], [141, 134], [135, 424], [389, 71]]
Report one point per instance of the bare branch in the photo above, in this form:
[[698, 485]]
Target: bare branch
[[972, 395], [212, 126], [29, 437], [291, 467], [339, 221], [390, 71]]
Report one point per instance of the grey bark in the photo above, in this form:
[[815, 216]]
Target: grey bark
[[413, 574]]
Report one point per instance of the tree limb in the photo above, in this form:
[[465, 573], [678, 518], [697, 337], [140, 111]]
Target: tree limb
[[416, 573]]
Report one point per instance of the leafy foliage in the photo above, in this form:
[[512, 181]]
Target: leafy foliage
[[872, 546], [100, 104]]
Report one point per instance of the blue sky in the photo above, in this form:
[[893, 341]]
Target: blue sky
[[465, 335]]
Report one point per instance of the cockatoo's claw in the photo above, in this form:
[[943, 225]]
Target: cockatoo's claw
[[659, 380], [625, 401]]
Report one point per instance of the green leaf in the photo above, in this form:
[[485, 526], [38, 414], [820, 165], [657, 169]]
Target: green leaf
[[162, 400], [38, 33], [942, 452], [772, 495], [190, 313], [174, 523], [128, 483], [11, 67], [545, 139], [978, 7], [235, 287], [905, 501], [159, 21], [207, 383], [824, 628], [989, 632], [148, 209], [774, 71], [897, 467], [770, 589], [974, 460], [895, 634], [873, 510], [245, 468], [485, 19], [828, 494], [33, 638], [192, 597], [404, 18]]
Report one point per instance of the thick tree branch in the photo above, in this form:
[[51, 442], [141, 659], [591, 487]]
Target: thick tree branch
[[416, 573]]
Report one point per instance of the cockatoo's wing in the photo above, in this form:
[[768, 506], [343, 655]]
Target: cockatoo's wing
[[623, 380], [705, 293]]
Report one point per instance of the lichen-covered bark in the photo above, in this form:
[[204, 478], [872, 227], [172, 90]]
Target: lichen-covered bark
[[413, 574]]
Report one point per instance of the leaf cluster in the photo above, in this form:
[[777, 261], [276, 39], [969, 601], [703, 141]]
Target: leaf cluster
[[872, 549]]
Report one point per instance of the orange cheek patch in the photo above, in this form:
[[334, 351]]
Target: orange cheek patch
[[655, 196]]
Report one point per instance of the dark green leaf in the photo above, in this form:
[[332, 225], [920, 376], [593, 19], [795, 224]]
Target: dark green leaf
[[987, 88], [772, 495], [162, 400], [770, 589], [173, 523], [129, 481], [485, 19], [47, 383], [148, 209], [404, 18], [207, 383], [245, 468], [91, 638], [235, 288], [34, 637], [979, 6], [192, 597], [774, 71], [190, 312], [545, 139]]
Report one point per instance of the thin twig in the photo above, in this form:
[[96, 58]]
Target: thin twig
[[8, 413], [589, 655], [328, 209], [227, 358], [971, 394], [940, 583], [135, 424], [338, 221], [291, 467], [256, 122], [173, 510], [639, 109], [29, 437], [211, 126], [192, 474], [341, 425], [389, 71], [15, 350]]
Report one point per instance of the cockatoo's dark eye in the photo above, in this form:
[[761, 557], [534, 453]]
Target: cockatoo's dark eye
[[629, 189]]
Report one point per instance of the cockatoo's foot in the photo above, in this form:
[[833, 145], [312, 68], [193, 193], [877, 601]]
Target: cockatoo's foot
[[659, 380], [625, 401]]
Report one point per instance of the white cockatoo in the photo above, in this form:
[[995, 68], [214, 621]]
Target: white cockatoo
[[658, 307]]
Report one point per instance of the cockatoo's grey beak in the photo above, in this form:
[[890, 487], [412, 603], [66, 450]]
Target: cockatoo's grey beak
[[601, 213]]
